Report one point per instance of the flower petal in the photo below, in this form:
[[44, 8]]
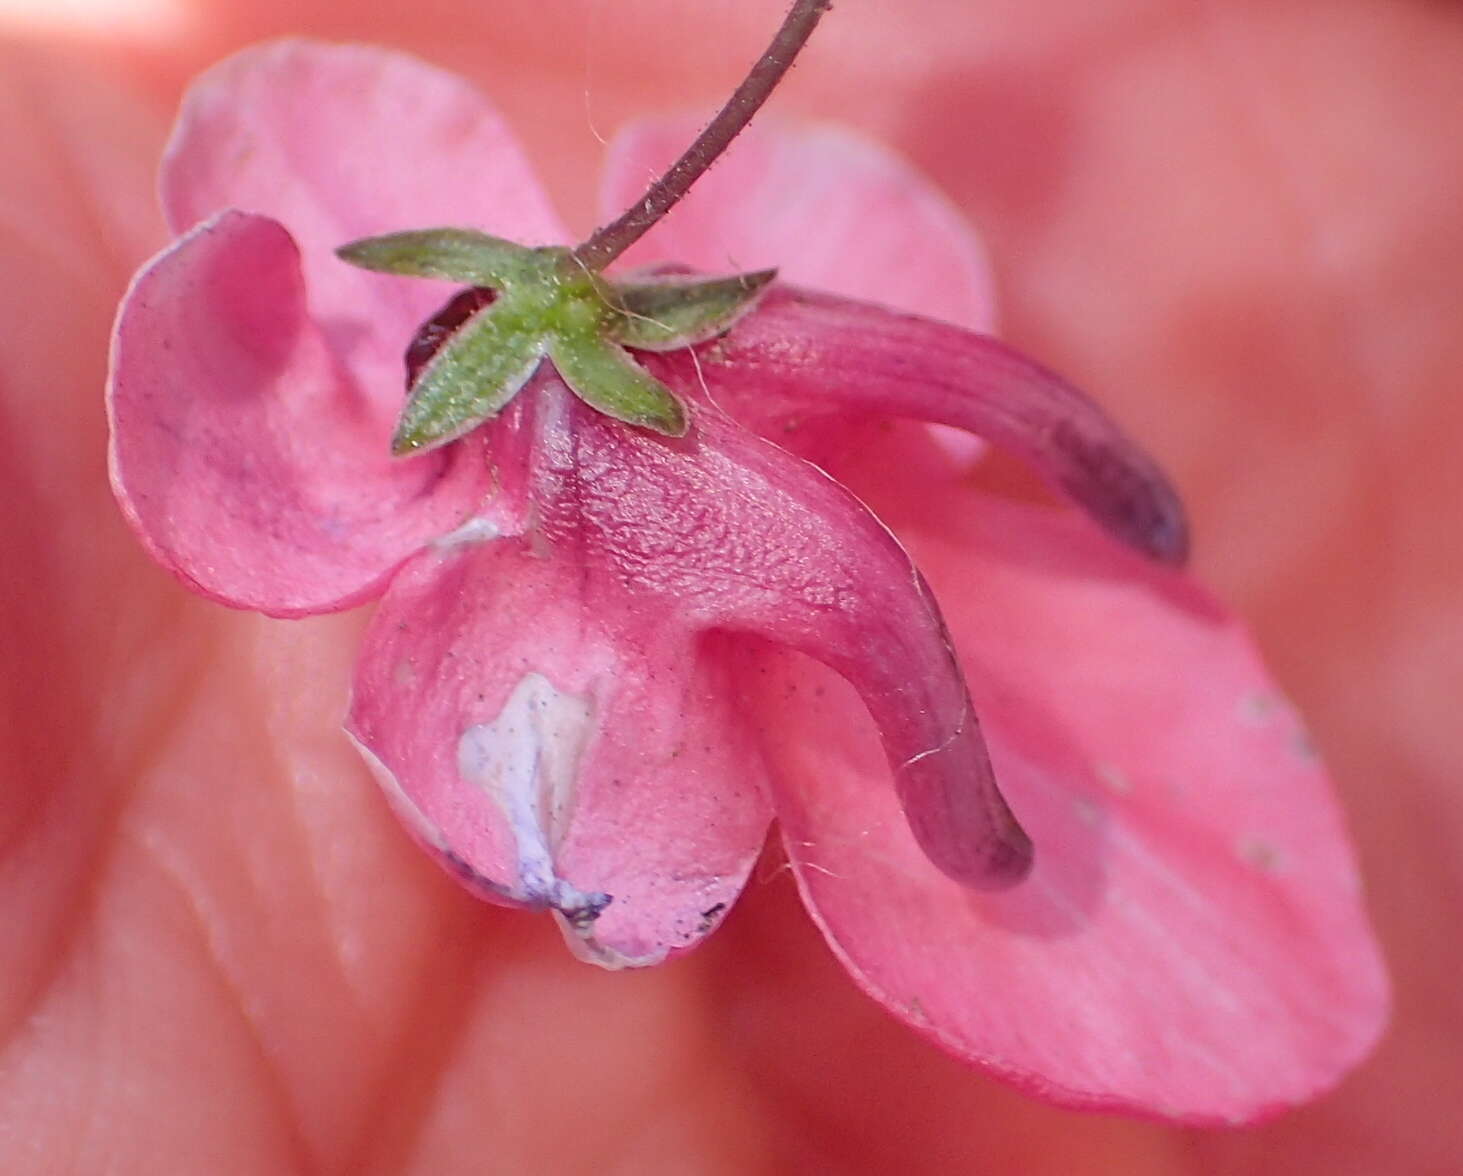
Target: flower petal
[[341, 142], [241, 453], [802, 355], [1191, 943], [560, 745], [728, 532], [825, 207]]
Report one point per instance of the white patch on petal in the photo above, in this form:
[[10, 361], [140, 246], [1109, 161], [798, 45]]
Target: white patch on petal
[[527, 761], [965, 449], [475, 530]]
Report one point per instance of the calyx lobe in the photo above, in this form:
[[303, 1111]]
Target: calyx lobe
[[526, 304]]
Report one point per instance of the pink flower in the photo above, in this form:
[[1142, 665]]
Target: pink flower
[[585, 685]]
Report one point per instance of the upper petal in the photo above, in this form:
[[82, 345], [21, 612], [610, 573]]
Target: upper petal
[[1191, 943], [822, 205], [801, 355], [340, 142], [562, 744], [245, 457], [721, 530]]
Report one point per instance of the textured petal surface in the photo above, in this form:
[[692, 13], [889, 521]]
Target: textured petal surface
[[1191, 942], [802, 356], [242, 453], [820, 204], [339, 142], [728, 532], [556, 742]]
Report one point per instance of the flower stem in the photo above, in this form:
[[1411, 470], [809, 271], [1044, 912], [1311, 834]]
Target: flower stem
[[611, 240]]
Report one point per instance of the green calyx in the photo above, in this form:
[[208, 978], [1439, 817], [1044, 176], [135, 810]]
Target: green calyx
[[548, 305]]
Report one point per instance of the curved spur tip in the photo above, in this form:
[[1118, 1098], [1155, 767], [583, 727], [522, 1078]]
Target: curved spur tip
[[1008, 863]]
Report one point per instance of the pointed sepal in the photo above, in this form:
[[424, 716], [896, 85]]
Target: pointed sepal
[[662, 314], [476, 372], [455, 255], [607, 379]]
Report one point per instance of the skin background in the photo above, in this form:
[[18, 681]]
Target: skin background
[[1236, 224]]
